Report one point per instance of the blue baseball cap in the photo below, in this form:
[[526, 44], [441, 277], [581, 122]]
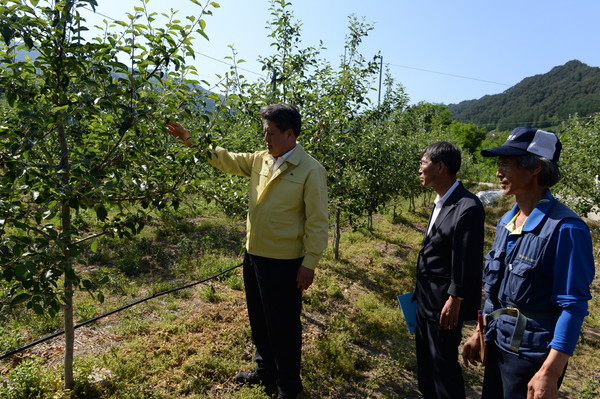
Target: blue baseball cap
[[524, 140]]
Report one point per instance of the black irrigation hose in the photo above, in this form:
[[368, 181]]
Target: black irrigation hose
[[56, 334]]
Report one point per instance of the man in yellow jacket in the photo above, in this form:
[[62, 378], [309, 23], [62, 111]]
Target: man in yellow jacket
[[287, 229]]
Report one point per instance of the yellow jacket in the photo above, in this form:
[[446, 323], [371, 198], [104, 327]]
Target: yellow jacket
[[287, 212]]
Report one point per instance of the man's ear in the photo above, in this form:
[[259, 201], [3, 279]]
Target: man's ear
[[441, 166], [290, 132], [538, 168]]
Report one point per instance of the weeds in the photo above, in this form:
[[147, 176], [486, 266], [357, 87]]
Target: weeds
[[210, 294], [190, 343], [9, 339], [85, 310], [25, 381]]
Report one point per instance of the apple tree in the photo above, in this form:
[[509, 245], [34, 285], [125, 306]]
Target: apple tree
[[82, 142]]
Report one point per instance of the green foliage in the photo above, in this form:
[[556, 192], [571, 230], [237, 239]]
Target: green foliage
[[580, 164], [9, 339], [468, 136], [85, 143], [592, 390], [210, 294], [82, 130], [85, 310], [378, 322], [333, 355], [26, 381], [355, 340]]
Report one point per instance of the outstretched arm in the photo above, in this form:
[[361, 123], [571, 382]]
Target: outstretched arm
[[180, 133]]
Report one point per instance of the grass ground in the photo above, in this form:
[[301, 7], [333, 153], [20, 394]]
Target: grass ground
[[190, 343]]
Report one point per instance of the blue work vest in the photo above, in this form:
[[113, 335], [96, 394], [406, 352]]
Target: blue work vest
[[522, 278]]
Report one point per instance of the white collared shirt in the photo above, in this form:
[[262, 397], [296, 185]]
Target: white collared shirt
[[277, 162], [439, 203]]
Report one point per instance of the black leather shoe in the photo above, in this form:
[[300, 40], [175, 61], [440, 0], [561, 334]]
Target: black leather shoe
[[255, 377], [248, 377]]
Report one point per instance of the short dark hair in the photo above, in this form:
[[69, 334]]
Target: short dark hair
[[443, 151], [550, 174], [284, 116]]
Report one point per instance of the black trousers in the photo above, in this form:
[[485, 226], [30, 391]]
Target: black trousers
[[439, 373], [506, 375], [274, 305]]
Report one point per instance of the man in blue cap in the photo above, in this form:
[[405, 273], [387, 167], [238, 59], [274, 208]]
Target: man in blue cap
[[537, 276]]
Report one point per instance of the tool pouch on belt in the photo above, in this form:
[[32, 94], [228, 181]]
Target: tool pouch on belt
[[520, 323]]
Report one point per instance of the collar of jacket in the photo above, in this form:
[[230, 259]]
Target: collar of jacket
[[294, 159], [537, 215], [448, 204]]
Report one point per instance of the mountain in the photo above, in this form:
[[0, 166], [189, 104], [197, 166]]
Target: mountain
[[542, 101]]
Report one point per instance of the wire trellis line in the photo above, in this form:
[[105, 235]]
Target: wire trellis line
[[84, 323]]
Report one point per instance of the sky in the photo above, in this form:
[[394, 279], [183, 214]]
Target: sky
[[441, 51]]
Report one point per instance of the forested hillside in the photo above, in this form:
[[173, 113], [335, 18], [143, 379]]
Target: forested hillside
[[541, 100]]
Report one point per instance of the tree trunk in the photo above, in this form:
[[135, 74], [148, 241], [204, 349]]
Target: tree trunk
[[68, 266], [69, 335], [62, 81], [336, 237]]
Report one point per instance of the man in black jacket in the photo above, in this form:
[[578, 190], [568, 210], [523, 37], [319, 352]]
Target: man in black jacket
[[449, 270]]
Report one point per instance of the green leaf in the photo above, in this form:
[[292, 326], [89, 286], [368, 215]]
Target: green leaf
[[28, 41], [18, 249], [38, 309], [88, 285], [7, 34], [60, 108], [94, 246], [101, 212], [54, 307], [201, 31], [20, 298]]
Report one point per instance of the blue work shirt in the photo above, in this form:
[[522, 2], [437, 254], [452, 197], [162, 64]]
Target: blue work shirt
[[547, 268]]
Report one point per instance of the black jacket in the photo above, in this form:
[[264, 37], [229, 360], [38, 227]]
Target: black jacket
[[451, 259]]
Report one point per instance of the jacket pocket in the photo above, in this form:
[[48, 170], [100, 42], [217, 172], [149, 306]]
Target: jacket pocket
[[284, 226], [492, 271], [523, 271]]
